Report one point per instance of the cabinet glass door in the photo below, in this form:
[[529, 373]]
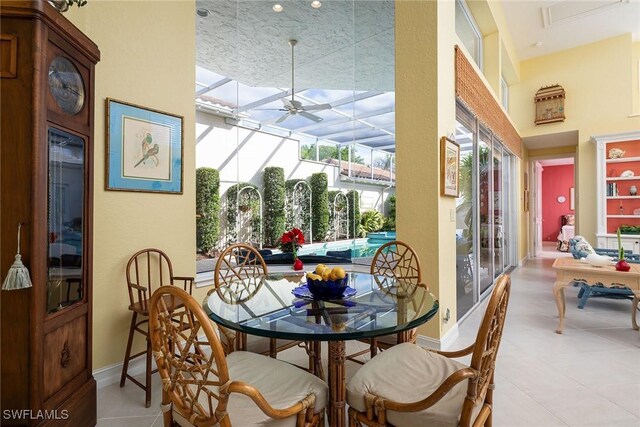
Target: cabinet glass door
[[65, 220]]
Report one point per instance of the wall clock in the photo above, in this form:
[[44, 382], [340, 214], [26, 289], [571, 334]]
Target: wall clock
[[66, 85], [561, 199]]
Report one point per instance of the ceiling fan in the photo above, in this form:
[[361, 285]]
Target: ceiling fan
[[293, 107]]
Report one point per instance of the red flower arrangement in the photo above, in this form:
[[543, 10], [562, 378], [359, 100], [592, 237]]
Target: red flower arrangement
[[290, 242]]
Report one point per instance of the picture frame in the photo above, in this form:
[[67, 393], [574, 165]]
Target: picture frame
[[144, 149], [449, 167]]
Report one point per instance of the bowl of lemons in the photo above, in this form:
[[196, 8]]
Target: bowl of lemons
[[327, 282]]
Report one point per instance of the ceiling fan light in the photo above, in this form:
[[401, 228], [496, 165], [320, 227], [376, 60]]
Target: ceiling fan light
[[316, 4], [277, 8]]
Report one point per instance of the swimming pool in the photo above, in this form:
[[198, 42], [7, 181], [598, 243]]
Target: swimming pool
[[360, 248]]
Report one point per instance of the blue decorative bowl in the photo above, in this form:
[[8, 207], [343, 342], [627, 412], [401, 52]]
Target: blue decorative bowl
[[328, 288]]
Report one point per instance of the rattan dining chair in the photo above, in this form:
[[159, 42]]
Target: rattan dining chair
[[407, 385], [146, 270], [243, 264], [201, 386], [398, 261]]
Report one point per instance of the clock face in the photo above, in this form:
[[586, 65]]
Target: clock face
[[66, 85]]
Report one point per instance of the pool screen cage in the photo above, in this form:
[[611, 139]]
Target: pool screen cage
[[298, 209]]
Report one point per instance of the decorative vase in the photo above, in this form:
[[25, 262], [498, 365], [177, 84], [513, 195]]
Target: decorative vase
[[60, 5], [297, 264], [633, 190]]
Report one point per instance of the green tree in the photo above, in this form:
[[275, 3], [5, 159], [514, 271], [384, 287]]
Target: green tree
[[274, 213], [319, 205]]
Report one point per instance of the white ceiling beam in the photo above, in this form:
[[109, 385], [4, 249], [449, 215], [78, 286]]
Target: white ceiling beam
[[263, 101], [213, 86], [363, 141]]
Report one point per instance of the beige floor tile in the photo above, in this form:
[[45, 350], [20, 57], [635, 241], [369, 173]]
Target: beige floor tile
[[116, 402], [128, 422], [627, 396]]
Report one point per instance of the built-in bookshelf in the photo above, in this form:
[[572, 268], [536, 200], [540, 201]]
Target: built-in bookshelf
[[618, 188]]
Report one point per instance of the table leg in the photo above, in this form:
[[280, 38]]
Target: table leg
[[337, 384], [634, 311], [558, 292]]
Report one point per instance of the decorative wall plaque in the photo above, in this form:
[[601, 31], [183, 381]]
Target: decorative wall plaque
[[550, 104]]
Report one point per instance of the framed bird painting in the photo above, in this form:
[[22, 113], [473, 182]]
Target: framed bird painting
[[144, 149]]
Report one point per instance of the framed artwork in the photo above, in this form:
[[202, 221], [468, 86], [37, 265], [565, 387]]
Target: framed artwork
[[449, 167], [144, 149]]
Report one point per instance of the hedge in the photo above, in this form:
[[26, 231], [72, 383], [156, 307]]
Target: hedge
[[319, 205], [207, 209], [253, 204], [353, 197], [390, 220], [273, 214]]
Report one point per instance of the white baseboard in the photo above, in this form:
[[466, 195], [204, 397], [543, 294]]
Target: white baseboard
[[111, 374], [439, 344]]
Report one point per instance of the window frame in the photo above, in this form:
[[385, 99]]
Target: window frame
[[476, 30]]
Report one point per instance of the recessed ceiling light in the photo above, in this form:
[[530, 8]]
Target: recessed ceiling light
[[277, 8], [202, 12], [316, 4], [536, 44]]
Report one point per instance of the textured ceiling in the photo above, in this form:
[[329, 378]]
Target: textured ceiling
[[345, 44]]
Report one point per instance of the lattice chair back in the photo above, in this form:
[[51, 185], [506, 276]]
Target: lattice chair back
[[190, 358], [239, 262], [486, 347], [146, 271], [397, 260]]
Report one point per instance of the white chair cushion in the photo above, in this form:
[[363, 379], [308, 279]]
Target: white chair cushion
[[408, 373], [281, 384]]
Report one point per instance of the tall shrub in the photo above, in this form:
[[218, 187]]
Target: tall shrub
[[353, 197], [319, 205], [273, 213], [207, 208], [390, 219]]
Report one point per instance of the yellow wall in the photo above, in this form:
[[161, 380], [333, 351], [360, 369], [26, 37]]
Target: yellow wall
[[636, 78], [598, 80], [569, 149], [148, 57]]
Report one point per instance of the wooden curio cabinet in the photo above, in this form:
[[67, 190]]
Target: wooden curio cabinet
[[46, 183]]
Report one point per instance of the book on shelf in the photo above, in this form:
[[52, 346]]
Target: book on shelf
[[612, 189]]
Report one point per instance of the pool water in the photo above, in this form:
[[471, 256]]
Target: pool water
[[360, 248]]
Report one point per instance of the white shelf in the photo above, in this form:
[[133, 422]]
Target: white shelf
[[619, 178], [624, 160], [622, 197], [623, 216]]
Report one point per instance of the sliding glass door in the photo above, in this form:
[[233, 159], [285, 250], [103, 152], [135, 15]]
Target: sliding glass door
[[486, 213]]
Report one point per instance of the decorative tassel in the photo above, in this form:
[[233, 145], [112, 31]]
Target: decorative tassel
[[18, 276]]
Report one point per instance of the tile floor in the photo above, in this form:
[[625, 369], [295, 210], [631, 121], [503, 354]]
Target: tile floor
[[588, 376]]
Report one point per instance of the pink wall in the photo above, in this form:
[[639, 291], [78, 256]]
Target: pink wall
[[556, 181]]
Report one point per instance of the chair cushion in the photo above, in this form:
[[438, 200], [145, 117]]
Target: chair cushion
[[408, 373], [281, 384]]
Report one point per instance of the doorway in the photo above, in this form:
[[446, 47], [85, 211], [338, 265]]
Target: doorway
[[554, 206]]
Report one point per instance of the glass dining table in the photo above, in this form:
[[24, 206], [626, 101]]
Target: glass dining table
[[277, 306]]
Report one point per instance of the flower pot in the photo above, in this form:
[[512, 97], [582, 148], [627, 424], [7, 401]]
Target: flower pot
[[623, 265]]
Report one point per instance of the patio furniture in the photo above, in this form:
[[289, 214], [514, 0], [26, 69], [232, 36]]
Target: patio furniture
[[203, 386], [569, 270], [146, 270], [399, 261], [273, 311], [407, 385], [244, 262]]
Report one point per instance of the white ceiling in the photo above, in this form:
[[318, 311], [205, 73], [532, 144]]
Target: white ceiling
[[560, 139], [569, 23], [556, 162]]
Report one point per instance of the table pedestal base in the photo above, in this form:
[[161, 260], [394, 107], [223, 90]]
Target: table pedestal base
[[337, 384]]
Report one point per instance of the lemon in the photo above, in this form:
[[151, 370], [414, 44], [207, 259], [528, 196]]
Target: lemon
[[338, 273], [313, 276], [320, 268], [326, 274]]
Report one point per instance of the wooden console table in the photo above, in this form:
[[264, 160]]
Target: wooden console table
[[569, 270]]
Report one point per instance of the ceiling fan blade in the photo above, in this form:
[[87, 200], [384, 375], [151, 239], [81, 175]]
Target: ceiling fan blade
[[310, 116], [282, 118], [288, 104], [316, 107]]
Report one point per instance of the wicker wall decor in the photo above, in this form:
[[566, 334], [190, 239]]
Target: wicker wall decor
[[549, 104], [471, 90]]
